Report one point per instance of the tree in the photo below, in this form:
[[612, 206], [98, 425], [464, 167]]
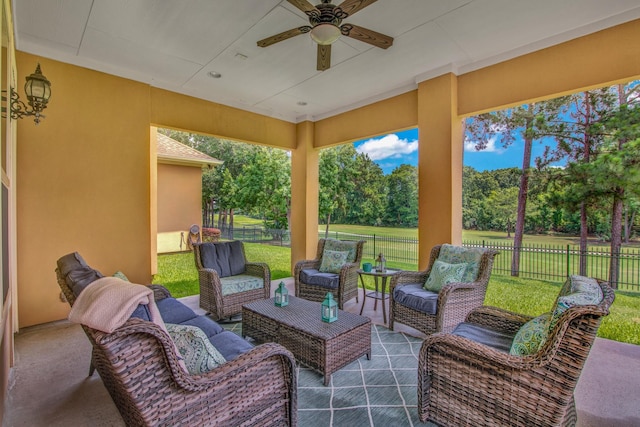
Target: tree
[[402, 197], [264, 187], [528, 122], [336, 179], [616, 171], [366, 202], [502, 206], [577, 138]]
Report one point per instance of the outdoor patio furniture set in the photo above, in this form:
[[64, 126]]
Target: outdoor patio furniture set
[[468, 372]]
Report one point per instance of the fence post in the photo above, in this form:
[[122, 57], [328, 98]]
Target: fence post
[[374, 246], [568, 261]]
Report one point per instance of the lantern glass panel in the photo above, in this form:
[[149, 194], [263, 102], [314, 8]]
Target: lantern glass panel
[[329, 309], [281, 296]]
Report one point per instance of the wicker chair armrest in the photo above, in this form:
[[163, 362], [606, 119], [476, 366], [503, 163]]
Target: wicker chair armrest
[[349, 276], [497, 319], [259, 354], [349, 266], [211, 274], [470, 353], [260, 269], [308, 263], [451, 290], [159, 292], [216, 376], [406, 277]]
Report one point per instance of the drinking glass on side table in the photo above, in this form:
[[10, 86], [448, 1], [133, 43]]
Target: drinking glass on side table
[[382, 295]]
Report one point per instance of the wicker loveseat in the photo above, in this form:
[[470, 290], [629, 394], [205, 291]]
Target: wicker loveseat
[[472, 376], [227, 280], [441, 311], [313, 284], [142, 371]]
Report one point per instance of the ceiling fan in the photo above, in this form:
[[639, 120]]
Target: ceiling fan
[[325, 19]]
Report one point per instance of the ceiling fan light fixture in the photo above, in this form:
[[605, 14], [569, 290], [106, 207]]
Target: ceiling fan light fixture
[[325, 34]]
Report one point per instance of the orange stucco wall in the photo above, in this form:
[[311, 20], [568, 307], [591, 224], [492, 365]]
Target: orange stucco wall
[[83, 183], [599, 59], [172, 110], [179, 197]]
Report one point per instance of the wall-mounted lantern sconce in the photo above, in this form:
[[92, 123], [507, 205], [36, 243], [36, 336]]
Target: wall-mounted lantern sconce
[[38, 91]]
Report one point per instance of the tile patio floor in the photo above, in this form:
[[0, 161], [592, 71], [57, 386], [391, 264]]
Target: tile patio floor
[[49, 384]]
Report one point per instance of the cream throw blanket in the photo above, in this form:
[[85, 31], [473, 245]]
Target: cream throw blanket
[[107, 303]]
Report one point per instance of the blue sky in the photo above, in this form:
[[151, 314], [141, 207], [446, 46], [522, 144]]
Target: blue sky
[[392, 150]]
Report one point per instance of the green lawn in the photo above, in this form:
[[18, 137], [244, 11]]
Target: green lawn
[[533, 297], [488, 236]]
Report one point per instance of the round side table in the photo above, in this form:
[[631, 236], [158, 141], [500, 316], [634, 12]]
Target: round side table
[[382, 295]]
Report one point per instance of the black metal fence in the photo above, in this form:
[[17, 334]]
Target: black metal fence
[[552, 263], [543, 262], [257, 234]]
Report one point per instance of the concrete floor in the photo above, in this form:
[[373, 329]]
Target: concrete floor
[[49, 385]]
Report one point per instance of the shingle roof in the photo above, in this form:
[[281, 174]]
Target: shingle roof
[[174, 152]]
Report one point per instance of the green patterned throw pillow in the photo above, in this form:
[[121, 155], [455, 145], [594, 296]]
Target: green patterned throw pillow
[[584, 291], [443, 273], [458, 254], [120, 275], [531, 336], [341, 246], [332, 261], [199, 354]]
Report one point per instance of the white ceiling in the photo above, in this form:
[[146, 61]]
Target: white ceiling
[[174, 44]]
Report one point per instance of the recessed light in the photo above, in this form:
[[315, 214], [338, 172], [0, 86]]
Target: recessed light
[[302, 103], [214, 74]]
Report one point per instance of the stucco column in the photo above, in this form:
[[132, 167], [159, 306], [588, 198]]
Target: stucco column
[[439, 165], [304, 195], [153, 198]]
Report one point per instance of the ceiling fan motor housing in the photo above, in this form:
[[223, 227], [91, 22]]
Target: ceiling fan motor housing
[[326, 13]]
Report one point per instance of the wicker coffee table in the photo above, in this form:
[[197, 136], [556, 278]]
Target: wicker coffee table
[[325, 347]]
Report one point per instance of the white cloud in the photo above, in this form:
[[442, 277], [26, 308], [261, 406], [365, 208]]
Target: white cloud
[[470, 145], [389, 146]]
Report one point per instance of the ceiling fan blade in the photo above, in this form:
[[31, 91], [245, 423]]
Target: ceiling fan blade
[[352, 6], [366, 35], [324, 57], [303, 5], [283, 36]]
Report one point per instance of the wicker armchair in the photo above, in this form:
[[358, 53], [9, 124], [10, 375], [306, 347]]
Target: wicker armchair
[[464, 383], [347, 279], [453, 303], [214, 278], [139, 367]]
